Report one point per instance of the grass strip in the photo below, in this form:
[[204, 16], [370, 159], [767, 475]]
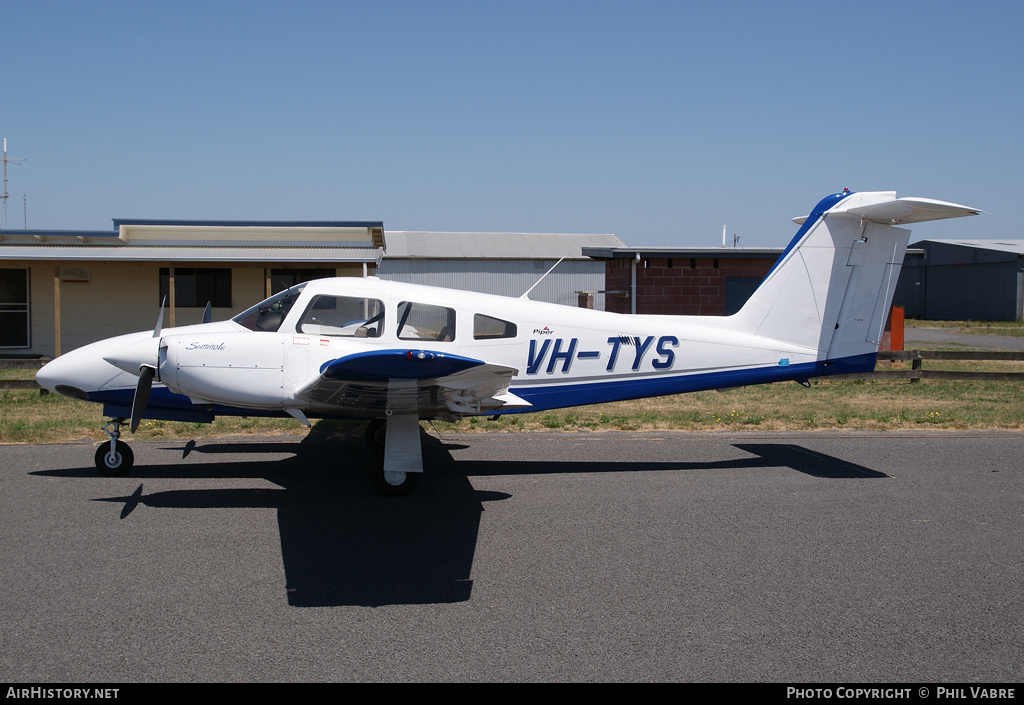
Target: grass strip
[[28, 417]]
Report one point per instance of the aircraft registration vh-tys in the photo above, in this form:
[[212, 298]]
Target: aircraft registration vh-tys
[[395, 353]]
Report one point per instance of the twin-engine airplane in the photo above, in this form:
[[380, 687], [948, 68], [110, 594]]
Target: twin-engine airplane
[[395, 353]]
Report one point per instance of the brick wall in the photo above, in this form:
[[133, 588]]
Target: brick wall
[[679, 285]]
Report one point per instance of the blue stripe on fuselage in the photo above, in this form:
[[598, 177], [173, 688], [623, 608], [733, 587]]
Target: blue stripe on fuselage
[[165, 405], [555, 397]]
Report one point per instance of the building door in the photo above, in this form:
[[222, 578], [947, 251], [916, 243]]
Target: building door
[[737, 291], [14, 323]]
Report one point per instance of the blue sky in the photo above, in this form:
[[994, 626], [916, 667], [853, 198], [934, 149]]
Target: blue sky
[[657, 121]]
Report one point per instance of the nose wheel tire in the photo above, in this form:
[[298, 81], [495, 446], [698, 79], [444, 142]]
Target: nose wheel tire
[[116, 463]]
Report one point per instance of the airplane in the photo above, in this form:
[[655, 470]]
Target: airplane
[[394, 353]]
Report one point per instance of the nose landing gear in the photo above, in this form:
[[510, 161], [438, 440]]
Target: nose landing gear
[[115, 458]]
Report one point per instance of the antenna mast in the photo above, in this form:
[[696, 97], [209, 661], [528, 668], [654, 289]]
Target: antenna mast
[[3, 217]]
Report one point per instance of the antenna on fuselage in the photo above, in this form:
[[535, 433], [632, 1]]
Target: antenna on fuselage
[[527, 294]]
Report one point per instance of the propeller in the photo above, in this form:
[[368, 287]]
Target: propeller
[[146, 375], [160, 318], [208, 313]]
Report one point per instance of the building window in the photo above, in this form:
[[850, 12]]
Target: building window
[[195, 287], [14, 324], [281, 279]]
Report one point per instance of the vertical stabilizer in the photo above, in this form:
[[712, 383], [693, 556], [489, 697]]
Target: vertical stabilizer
[[831, 289]]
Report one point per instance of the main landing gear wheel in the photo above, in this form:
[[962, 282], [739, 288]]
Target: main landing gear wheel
[[394, 484], [117, 462], [376, 432]]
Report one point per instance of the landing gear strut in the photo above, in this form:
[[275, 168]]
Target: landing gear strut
[[116, 457], [398, 437]]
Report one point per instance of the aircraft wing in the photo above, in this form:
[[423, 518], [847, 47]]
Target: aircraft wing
[[423, 382]]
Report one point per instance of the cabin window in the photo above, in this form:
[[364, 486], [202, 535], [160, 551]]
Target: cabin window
[[347, 316], [490, 328], [267, 316], [195, 287], [418, 321], [14, 308]]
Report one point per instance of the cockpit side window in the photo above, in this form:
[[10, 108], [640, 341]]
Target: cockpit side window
[[418, 321], [267, 316], [491, 328], [346, 316]]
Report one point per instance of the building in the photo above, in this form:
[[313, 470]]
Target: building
[[708, 281], [60, 290], [508, 264], [941, 279], [979, 280]]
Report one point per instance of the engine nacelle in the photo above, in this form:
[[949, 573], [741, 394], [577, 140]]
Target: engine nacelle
[[237, 369]]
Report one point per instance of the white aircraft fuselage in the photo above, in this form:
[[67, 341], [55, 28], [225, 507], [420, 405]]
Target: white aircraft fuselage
[[563, 356], [374, 349]]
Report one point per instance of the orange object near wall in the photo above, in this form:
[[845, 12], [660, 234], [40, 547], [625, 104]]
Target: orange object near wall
[[894, 328]]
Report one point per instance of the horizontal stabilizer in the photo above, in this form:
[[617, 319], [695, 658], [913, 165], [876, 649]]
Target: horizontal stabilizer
[[911, 210], [883, 207]]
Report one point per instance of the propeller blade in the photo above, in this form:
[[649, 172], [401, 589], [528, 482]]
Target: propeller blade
[[146, 374], [160, 319], [208, 313]]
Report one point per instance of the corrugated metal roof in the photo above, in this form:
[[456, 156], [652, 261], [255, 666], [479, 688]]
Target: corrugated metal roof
[[362, 224], [44, 235], [1013, 246], [410, 244], [128, 253], [214, 233]]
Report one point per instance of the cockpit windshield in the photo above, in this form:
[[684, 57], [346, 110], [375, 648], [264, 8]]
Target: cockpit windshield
[[267, 316]]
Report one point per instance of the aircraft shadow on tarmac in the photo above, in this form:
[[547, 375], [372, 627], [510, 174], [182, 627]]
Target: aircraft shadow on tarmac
[[342, 544]]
